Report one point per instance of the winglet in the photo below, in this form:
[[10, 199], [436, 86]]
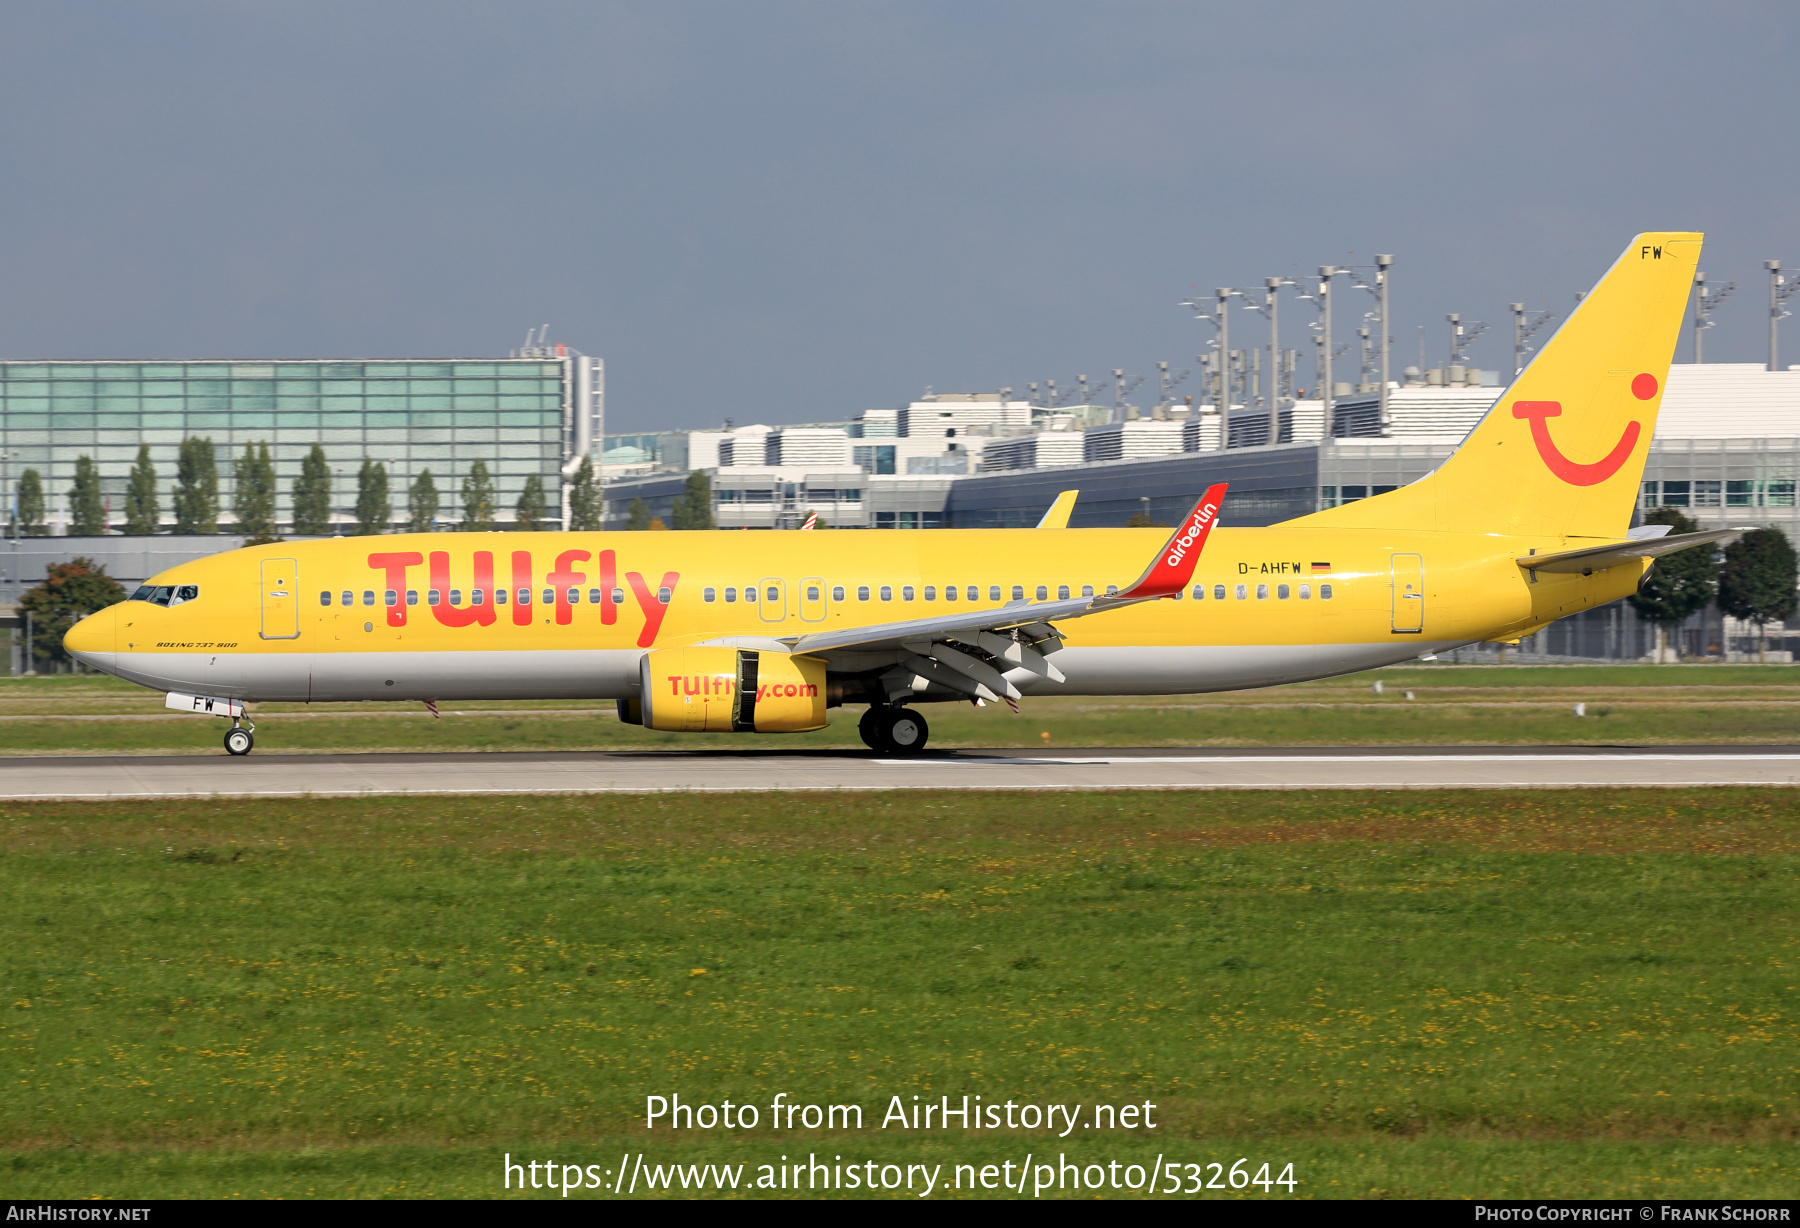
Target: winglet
[[1174, 565], [1058, 515]]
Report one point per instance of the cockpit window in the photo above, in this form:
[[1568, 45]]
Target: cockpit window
[[166, 594]]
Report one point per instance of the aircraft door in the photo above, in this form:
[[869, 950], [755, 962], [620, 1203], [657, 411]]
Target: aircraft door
[[812, 599], [772, 600], [1409, 593], [280, 599]]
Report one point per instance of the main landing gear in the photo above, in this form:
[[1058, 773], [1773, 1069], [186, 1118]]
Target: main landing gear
[[239, 739], [894, 731]]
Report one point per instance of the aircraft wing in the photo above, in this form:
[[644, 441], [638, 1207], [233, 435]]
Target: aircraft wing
[[1590, 559], [1016, 636]]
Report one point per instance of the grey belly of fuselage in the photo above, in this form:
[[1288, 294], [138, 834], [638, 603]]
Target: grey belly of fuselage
[[613, 673]]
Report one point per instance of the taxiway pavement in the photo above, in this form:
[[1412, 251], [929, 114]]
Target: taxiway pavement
[[264, 775]]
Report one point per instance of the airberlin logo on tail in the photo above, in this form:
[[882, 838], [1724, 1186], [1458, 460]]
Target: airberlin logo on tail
[[1538, 413], [1194, 531]]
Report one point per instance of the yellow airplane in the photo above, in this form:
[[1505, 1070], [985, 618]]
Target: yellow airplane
[[708, 631]]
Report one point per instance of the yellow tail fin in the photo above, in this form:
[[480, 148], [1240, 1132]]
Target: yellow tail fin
[[1561, 453]]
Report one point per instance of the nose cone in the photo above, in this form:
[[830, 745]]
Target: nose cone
[[91, 641]]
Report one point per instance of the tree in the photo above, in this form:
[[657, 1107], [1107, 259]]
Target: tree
[[373, 508], [253, 496], [637, 516], [70, 592], [529, 511], [693, 507], [585, 509], [87, 507], [29, 514], [422, 503], [657, 525], [312, 495], [196, 487], [1681, 583], [1757, 582], [478, 499], [143, 511]]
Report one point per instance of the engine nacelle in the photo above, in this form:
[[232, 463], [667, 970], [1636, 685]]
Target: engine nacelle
[[731, 690]]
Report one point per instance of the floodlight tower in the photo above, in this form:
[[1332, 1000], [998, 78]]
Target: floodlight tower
[[1218, 315], [1704, 305], [1780, 290], [1460, 337], [1166, 382], [1270, 306], [1526, 325], [1379, 289]]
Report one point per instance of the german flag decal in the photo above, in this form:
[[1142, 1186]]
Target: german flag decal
[[1321, 566]]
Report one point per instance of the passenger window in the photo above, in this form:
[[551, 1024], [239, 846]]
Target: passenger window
[[1281, 591], [1242, 592], [773, 594], [574, 596], [368, 596], [1087, 590], [477, 596], [887, 592], [619, 596], [730, 596], [1062, 592], [1218, 592], [1112, 590], [391, 597], [837, 592], [812, 593], [412, 596], [708, 595], [663, 595], [348, 598], [949, 592], [1018, 592], [594, 596], [1199, 592], [862, 592], [931, 592], [549, 596], [993, 593], [906, 592], [1262, 592], [499, 596], [1178, 594], [456, 596], [1306, 592], [431, 597], [1043, 593], [524, 596], [1324, 592], [325, 598]]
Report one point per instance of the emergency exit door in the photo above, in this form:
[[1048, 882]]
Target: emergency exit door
[[280, 599], [1409, 594], [772, 601], [812, 599]]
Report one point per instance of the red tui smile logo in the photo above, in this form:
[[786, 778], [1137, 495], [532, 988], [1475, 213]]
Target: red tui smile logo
[[1574, 473]]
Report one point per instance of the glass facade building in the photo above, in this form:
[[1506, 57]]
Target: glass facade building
[[442, 415]]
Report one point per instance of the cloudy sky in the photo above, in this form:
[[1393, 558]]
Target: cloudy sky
[[786, 212]]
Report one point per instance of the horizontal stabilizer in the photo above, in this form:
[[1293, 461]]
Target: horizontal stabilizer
[[1598, 558]]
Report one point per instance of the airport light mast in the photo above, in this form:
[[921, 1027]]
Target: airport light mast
[[1704, 305], [1270, 306], [1526, 325], [1780, 290], [1380, 290]]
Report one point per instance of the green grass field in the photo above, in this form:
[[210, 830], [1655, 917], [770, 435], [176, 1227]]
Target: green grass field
[[1453, 705], [1534, 994]]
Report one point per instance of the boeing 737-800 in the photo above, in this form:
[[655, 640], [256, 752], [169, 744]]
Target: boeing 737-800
[[766, 632]]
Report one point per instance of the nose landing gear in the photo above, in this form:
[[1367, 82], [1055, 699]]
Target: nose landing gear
[[893, 731], [239, 739]]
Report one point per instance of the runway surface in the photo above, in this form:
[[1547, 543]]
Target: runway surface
[[122, 776]]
